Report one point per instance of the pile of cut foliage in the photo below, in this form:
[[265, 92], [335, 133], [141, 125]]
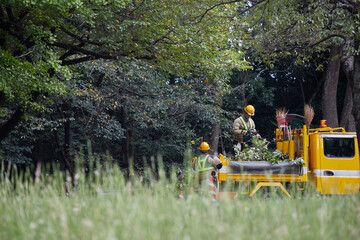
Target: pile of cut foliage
[[258, 151]]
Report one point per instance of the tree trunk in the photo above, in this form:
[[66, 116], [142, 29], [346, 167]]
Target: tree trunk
[[10, 124], [347, 119], [124, 158], [130, 146], [215, 135], [356, 90], [15, 119], [319, 84], [216, 129], [243, 82], [329, 106], [65, 149], [67, 145], [302, 90]]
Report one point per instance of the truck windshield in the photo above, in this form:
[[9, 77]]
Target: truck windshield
[[339, 147]]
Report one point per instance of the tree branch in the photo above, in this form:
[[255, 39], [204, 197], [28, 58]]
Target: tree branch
[[78, 49], [77, 60], [214, 6], [22, 15], [254, 4], [138, 94], [326, 38], [10, 14], [10, 124], [81, 39], [310, 45], [93, 54], [163, 37], [351, 6]]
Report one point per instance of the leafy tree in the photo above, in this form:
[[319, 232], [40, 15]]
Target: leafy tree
[[178, 37], [306, 29], [156, 113], [43, 41]]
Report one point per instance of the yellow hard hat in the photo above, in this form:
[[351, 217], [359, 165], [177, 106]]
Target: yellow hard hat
[[250, 110], [204, 146]]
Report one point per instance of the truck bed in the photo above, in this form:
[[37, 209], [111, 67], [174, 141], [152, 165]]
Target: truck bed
[[263, 168]]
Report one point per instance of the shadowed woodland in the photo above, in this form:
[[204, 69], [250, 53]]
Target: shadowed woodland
[[129, 80]]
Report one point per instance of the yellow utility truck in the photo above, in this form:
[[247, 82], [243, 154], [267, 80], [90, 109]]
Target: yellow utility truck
[[330, 156]]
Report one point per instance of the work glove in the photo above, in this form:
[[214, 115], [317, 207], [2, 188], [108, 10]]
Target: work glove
[[252, 131], [247, 137]]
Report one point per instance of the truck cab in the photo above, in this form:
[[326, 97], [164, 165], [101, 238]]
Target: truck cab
[[334, 161], [331, 157]]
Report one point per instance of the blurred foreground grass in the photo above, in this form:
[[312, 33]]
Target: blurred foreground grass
[[111, 205]]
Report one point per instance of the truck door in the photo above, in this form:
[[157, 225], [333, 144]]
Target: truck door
[[339, 164]]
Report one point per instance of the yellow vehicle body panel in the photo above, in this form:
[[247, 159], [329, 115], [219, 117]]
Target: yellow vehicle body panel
[[263, 178], [338, 173], [337, 185], [331, 174]]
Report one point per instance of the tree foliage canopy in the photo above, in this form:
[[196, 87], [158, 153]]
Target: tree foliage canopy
[[283, 28], [114, 70], [181, 37], [144, 76]]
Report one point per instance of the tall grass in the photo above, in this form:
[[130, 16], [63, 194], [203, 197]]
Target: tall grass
[[111, 204]]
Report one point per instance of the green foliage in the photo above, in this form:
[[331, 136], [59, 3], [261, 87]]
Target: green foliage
[[54, 45], [304, 29], [179, 37], [160, 112], [186, 38], [150, 72], [20, 79], [18, 148], [258, 151]]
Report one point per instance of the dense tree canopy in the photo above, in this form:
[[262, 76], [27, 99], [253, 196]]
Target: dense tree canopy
[[119, 73], [179, 37], [132, 79], [309, 30]]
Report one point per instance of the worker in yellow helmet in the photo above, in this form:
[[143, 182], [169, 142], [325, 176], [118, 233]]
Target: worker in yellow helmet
[[206, 165], [244, 128]]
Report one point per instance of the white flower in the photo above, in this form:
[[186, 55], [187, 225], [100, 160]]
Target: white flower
[[87, 223], [33, 225]]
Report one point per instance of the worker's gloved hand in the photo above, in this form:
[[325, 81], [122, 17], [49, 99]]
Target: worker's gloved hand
[[254, 134], [247, 138], [252, 131]]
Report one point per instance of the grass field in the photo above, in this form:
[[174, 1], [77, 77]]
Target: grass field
[[106, 206]]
